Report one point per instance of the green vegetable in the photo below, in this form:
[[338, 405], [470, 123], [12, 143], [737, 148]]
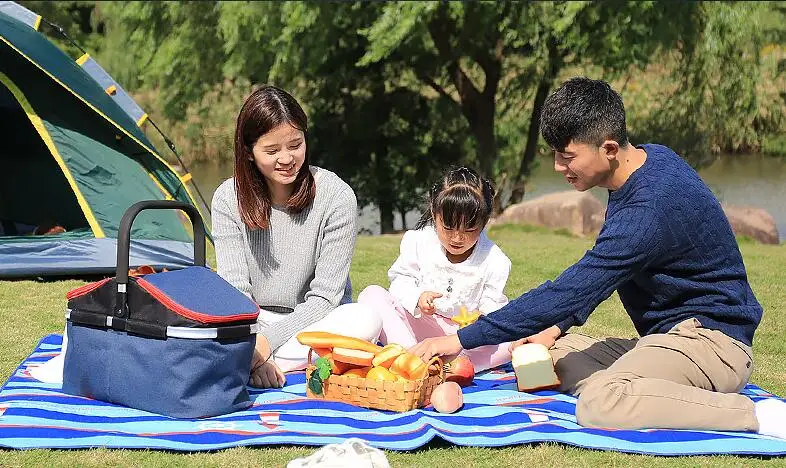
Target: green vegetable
[[322, 372]]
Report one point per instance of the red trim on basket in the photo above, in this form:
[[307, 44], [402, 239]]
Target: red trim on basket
[[170, 304], [82, 290]]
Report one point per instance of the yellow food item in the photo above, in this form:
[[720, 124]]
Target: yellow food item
[[360, 372], [380, 373], [388, 354], [409, 366], [465, 317]]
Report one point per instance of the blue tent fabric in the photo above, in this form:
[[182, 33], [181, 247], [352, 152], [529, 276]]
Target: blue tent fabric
[[38, 415], [89, 256]]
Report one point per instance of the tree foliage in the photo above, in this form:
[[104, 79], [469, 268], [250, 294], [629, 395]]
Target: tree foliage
[[396, 91]]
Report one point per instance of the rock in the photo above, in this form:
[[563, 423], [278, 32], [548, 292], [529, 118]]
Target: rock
[[755, 223], [579, 212]]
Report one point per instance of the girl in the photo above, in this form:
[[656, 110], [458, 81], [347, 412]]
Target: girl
[[284, 234], [445, 263]]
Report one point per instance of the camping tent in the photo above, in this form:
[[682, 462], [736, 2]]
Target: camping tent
[[72, 155]]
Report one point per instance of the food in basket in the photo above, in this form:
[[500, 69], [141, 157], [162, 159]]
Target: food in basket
[[381, 373], [447, 397], [534, 368], [363, 374], [388, 354], [465, 317], [324, 340], [360, 372], [409, 366], [353, 356], [460, 370]]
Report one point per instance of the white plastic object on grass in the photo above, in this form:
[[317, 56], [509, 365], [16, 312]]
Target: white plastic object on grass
[[352, 452]]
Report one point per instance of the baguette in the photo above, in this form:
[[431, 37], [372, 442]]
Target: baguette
[[317, 339]]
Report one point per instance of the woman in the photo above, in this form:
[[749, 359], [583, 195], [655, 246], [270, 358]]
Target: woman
[[284, 234]]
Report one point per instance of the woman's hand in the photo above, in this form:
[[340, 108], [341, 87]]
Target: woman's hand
[[267, 375], [440, 346], [264, 372], [547, 338], [426, 301], [262, 351]]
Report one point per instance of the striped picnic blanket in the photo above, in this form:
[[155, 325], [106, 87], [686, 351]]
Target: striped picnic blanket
[[38, 415]]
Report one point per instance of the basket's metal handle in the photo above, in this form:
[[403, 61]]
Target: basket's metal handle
[[124, 241]]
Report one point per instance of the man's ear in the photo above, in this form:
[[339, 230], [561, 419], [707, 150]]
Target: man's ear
[[610, 148]]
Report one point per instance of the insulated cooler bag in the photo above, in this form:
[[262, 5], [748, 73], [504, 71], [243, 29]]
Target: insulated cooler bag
[[177, 343]]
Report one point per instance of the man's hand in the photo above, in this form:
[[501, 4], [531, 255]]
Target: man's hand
[[440, 346], [426, 302], [267, 375], [547, 338]]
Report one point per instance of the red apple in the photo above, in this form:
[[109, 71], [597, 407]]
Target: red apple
[[461, 371]]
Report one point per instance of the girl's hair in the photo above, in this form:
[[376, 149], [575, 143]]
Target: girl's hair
[[462, 198], [267, 108]]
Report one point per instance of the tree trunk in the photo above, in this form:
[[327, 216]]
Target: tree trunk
[[482, 125], [544, 86], [403, 214], [531, 149], [385, 196], [385, 216]]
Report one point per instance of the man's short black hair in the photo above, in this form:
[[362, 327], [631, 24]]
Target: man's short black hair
[[584, 111]]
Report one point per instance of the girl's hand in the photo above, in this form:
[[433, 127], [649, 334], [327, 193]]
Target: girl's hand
[[426, 302], [547, 338], [267, 375]]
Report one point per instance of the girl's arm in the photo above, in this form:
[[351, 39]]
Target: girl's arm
[[493, 296], [228, 239], [330, 275], [404, 275]]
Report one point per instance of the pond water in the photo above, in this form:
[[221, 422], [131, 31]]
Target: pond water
[[752, 180]]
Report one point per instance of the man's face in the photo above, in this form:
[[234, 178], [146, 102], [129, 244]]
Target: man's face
[[583, 165]]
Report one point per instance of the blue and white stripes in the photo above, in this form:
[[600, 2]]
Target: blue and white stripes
[[38, 415]]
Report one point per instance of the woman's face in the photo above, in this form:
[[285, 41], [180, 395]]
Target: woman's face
[[279, 154]]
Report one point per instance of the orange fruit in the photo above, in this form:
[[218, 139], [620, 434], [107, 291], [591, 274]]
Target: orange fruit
[[380, 373], [359, 372]]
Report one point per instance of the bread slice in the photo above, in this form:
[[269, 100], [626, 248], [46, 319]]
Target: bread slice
[[353, 356], [534, 368]]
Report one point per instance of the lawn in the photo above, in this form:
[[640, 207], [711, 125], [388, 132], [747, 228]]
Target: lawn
[[29, 310]]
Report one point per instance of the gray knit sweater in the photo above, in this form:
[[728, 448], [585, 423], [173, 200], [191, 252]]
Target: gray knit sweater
[[299, 266]]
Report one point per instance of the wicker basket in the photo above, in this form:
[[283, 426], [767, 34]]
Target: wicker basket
[[397, 396]]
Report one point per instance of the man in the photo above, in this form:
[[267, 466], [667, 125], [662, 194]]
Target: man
[[667, 248]]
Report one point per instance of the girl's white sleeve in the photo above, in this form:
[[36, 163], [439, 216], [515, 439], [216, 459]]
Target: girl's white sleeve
[[404, 275], [493, 296]]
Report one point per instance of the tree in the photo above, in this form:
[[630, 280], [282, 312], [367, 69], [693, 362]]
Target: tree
[[718, 101], [474, 54]]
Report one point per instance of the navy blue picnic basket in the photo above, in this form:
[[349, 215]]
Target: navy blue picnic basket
[[177, 343]]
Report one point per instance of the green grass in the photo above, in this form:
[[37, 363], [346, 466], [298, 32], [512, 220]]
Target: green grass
[[29, 310]]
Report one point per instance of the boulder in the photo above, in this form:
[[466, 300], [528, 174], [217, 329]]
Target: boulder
[[579, 212], [755, 223]]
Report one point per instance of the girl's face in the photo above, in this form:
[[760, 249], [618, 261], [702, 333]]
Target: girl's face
[[279, 154], [457, 242]]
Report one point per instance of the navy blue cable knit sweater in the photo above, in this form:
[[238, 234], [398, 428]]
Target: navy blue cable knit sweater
[[666, 247]]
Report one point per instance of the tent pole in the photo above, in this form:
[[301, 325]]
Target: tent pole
[[169, 142], [172, 148]]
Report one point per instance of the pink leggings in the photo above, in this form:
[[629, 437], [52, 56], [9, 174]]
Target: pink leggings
[[399, 326]]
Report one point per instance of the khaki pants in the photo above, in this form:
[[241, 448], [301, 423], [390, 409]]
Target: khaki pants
[[687, 378]]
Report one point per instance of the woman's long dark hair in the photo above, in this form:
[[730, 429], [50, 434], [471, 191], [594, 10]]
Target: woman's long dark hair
[[461, 197], [267, 108]]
